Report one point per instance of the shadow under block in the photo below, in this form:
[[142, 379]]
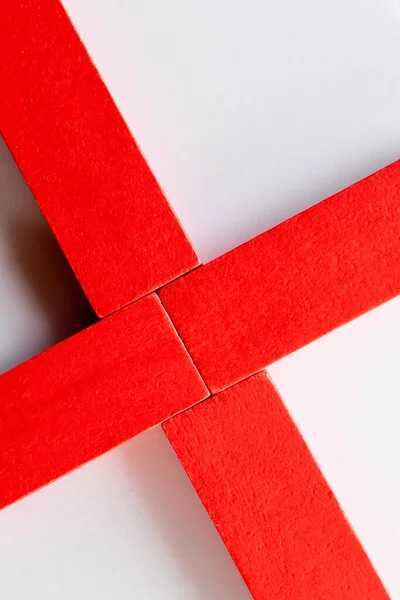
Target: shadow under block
[[268, 499], [90, 393], [82, 164], [292, 284]]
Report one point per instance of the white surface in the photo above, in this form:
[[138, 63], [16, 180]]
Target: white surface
[[344, 394], [127, 526], [248, 112]]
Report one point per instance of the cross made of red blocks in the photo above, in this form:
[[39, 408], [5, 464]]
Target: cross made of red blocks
[[182, 344]]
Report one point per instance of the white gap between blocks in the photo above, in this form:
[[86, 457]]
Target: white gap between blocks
[[247, 113]]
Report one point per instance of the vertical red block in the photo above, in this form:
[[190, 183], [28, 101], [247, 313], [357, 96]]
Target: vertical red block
[[79, 159], [90, 393], [268, 499], [292, 284]]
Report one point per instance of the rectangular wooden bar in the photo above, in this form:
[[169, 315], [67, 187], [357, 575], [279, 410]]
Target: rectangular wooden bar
[[90, 393], [81, 162], [268, 499], [292, 284]]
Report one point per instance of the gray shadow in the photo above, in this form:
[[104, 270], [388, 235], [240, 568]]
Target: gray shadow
[[185, 527], [29, 246]]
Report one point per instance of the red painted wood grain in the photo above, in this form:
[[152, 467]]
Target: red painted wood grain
[[81, 162], [90, 393], [292, 284], [268, 499]]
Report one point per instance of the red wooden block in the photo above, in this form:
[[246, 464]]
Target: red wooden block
[[292, 284], [90, 393], [268, 499], [80, 160]]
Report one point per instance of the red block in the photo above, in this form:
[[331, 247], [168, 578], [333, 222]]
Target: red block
[[80, 160], [268, 499], [292, 284], [90, 393]]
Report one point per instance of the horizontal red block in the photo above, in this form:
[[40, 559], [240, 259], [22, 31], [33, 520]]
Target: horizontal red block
[[90, 393], [80, 160], [269, 501], [292, 284]]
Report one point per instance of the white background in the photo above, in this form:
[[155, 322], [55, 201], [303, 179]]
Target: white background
[[248, 112]]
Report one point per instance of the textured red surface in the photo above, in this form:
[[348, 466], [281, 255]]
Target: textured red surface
[[90, 393], [270, 503], [293, 283], [81, 162]]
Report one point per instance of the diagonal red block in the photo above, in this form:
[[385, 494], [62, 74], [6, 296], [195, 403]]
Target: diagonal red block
[[81, 162], [292, 284], [90, 393], [268, 499]]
